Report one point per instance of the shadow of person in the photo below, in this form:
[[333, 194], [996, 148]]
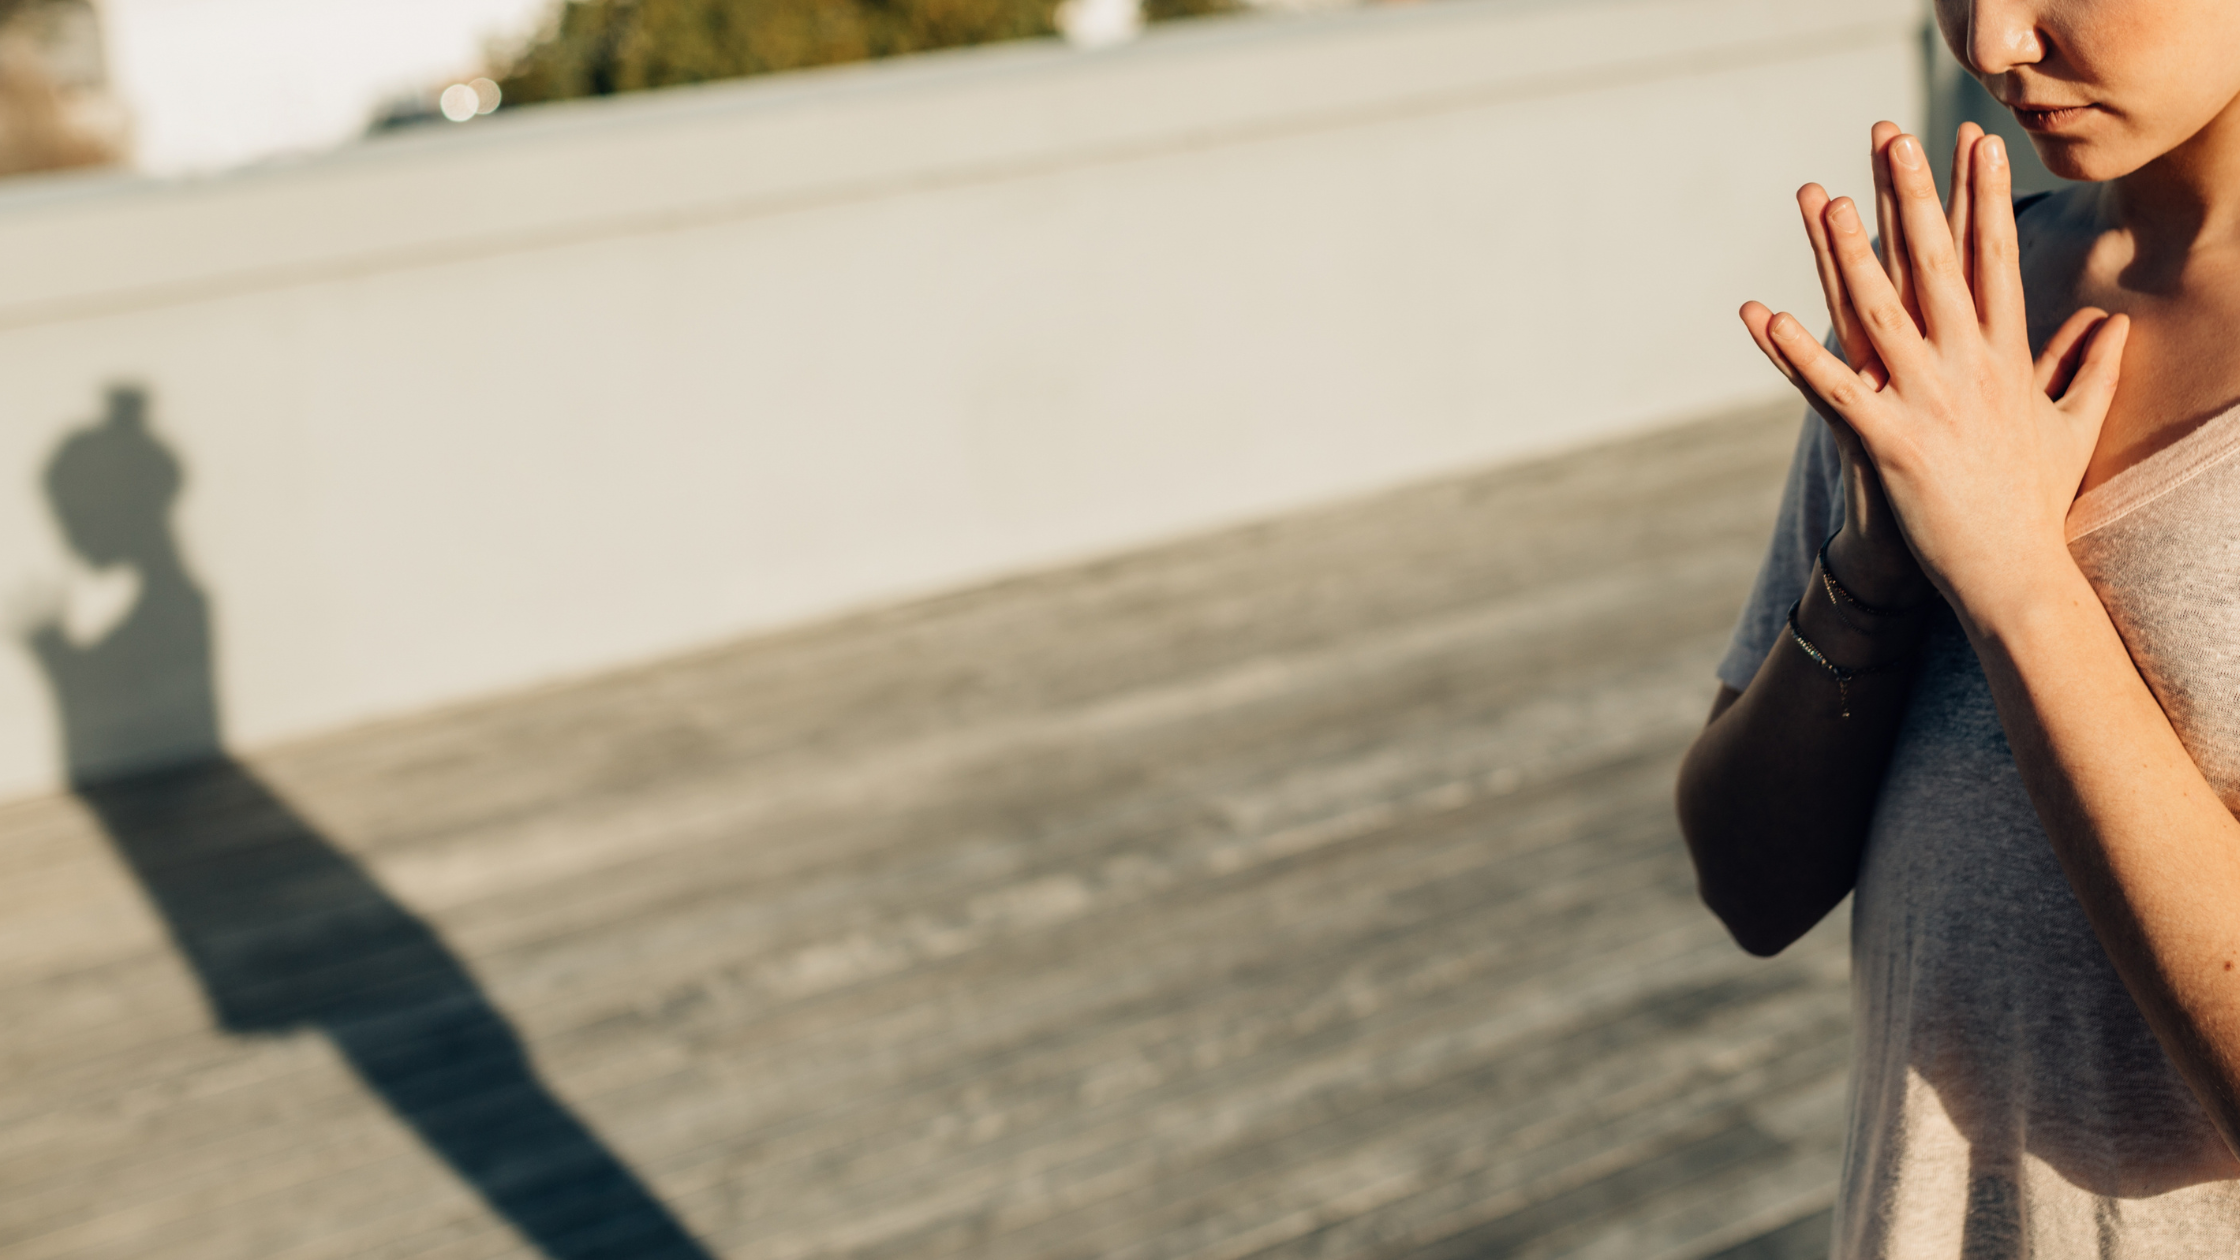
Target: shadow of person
[[285, 931]]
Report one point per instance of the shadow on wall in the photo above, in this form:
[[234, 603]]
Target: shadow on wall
[[284, 930]]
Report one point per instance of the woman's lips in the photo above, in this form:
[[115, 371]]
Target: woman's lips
[[2049, 117]]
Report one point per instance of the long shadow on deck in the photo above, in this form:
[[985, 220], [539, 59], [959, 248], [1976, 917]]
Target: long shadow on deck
[[284, 930]]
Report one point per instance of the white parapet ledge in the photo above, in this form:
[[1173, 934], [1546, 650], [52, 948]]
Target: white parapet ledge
[[552, 175]]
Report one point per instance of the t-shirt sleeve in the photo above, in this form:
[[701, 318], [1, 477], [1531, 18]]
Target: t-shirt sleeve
[[1811, 509]]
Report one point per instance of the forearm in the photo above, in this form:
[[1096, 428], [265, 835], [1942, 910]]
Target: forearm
[[1776, 795], [2151, 852]]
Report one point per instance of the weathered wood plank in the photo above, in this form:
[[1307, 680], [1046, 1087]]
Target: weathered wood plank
[[1305, 890]]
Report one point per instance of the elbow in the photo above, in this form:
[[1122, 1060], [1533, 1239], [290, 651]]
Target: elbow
[[1765, 882], [1733, 901], [1759, 940], [1760, 921], [1759, 933]]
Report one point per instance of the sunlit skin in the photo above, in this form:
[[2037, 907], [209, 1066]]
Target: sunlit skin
[[1963, 451]]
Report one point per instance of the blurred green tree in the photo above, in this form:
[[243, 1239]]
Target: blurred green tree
[[599, 47]]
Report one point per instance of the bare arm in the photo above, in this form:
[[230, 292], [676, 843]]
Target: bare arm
[[1776, 795], [2152, 853]]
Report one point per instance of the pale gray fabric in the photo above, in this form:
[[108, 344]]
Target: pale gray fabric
[[2008, 1100]]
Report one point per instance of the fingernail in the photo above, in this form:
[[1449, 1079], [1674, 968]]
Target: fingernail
[[1906, 153], [1995, 149], [1844, 215]]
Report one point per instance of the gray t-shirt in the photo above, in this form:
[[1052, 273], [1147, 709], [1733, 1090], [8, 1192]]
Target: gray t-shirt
[[2007, 1098]]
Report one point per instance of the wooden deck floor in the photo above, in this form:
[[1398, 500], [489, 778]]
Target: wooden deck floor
[[1309, 890]]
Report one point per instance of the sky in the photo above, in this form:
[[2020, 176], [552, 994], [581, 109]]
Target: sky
[[217, 83]]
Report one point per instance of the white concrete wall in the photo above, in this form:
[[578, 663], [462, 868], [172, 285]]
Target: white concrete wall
[[592, 383]]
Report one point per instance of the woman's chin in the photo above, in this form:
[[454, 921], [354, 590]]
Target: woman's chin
[[2082, 160]]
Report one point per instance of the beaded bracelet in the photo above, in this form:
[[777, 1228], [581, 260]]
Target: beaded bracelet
[[1842, 675], [1839, 595]]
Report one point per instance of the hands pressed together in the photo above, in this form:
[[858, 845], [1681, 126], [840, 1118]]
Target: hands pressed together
[[1962, 455]]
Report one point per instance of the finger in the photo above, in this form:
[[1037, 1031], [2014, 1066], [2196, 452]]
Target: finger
[[1996, 275], [2094, 386], [1939, 290], [1758, 318], [1848, 396], [1812, 202], [1889, 326], [2057, 363], [1957, 207], [1895, 263]]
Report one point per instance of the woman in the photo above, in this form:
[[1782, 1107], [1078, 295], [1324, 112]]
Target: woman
[[2001, 705]]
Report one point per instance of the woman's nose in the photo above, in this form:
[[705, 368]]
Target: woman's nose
[[2002, 34]]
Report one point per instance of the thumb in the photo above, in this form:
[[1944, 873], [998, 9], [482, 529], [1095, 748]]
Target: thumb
[[2093, 387], [2057, 363]]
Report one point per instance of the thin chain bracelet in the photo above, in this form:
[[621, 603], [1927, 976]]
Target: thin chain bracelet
[[1842, 675], [1839, 595]]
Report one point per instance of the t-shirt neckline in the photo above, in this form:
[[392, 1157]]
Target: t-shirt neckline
[[2136, 486]]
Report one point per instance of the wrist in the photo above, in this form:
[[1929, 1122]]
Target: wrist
[[1880, 573], [2004, 603], [1855, 642]]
